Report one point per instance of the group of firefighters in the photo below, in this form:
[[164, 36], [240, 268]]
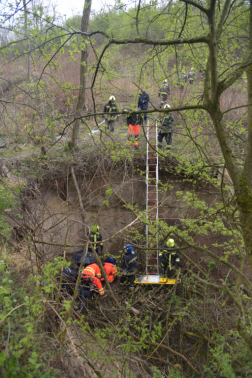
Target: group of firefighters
[[91, 280], [135, 120]]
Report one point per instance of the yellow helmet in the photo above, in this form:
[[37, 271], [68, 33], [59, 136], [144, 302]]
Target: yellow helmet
[[95, 228], [165, 81], [112, 98], [170, 243]]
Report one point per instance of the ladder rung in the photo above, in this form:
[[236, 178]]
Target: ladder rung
[[154, 150], [152, 157], [152, 192], [152, 213], [151, 184]]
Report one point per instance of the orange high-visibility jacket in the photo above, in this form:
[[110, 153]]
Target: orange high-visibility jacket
[[93, 272], [110, 270]]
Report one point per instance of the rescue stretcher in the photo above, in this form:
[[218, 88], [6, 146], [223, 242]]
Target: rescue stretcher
[[155, 279]]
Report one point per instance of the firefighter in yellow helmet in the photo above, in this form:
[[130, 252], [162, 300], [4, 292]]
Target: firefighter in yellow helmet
[[169, 258], [94, 237], [192, 76]]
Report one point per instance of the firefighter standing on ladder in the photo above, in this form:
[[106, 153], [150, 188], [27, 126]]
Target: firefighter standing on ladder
[[169, 258]]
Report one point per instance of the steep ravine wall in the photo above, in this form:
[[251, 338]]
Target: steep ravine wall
[[53, 211]]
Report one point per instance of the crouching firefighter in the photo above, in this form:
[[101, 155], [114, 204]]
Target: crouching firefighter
[[169, 259], [110, 269], [129, 266], [91, 282]]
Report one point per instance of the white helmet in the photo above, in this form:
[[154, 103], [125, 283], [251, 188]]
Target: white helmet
[[165, 81], [167, 106], [112, 98]]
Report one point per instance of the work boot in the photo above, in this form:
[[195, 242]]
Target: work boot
[[131, 287], [80, 308]]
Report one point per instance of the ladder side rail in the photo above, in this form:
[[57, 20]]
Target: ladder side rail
[[157, 180], [147, 196]]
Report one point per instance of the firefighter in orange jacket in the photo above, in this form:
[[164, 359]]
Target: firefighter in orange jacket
[[110, 269], [92, 274]]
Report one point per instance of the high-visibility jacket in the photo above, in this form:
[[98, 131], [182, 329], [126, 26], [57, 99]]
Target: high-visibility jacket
[[111, 271], [95, 237], [93, 274], [109, 109], [165, 90], [170, 257], [166, 123]]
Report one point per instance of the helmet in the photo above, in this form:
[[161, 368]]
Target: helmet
[[111, 260], [167, 106], [165, 81], [112, 98], [95, 228], [192, 69], [170, 243], [129, 248]]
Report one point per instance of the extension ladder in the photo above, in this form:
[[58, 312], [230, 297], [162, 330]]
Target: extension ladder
[[152, 261]]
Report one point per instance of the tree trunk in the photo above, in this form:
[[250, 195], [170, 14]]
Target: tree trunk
[[245, 198], [83, 71], [28, 54]]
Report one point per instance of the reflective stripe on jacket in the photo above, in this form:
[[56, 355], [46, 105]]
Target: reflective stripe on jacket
[[96, 237], [109, 109], [171, 256], [165, 90], [111, 271], [92, 270], [166, 123]]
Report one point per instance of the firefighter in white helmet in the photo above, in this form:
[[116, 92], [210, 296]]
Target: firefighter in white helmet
[[109, 109], [165, 130], [164, 92]]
